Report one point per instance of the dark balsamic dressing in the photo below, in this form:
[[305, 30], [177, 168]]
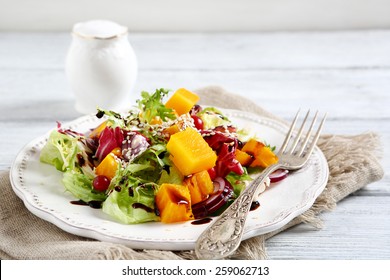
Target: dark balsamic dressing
[[93, 203], [80, 160], [137, 205], [201, 221], [254, 205], [79, 202]]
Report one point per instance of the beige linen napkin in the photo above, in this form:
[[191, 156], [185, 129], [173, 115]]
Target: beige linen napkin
[[353, 163]]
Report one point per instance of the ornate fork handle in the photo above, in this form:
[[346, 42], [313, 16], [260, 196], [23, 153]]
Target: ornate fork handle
[[224, 236]]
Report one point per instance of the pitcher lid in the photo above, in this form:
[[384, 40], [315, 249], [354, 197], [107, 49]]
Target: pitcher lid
[[99, 29]]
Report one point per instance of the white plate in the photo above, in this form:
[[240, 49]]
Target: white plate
[[39, 186]]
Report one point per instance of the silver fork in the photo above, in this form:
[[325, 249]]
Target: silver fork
[[224, 236]]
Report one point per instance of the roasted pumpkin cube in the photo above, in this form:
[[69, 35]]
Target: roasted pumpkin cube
[[190, 152], [174, 203], [95, 133], [172, 129], [252, 147], [263, 155], [244, 158], [179, 125], [264, 158], [199, 185], [108, 166], [182, 101]]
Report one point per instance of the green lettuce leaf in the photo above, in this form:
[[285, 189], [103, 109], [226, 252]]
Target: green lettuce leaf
[[80, 186], [212, 117], [132, 203], [132, 192], [114, 119], [151, 106], [172, 177], [60, 151], [238, 182], [152, 161]]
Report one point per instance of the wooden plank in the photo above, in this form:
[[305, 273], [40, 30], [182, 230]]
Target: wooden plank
[[346, 94], [356, 229], [218, 51]]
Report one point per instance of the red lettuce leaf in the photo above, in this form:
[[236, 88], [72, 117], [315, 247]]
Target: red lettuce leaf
[[216, 139], [225, 146], [110, 138], [227, 162]]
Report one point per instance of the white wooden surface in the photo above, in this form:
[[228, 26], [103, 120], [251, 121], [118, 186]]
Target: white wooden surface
[[346, 74]]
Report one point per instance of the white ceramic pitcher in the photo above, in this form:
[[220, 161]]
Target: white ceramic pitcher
[[101, 66]]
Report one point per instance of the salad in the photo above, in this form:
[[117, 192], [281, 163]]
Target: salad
[[167, 161]]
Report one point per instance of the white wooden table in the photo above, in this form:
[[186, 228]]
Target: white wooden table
[[346, 74]]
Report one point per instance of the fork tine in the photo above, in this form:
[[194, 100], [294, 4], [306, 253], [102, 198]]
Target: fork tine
[[308, 135], [298, 137], [288, 136], [315, 139]]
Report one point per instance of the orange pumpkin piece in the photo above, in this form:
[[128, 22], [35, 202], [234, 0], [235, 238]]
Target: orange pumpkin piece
[[179, 125], [172, 129], [190, 152], [264, 158], [117, 151], [156, 120], [98, 130], [182, 101], [174, 203], [252, 147], [244, 158], [108, 166], [263, 155], [200, 186]]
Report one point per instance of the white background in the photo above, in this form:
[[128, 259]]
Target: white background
[[197, 15]]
